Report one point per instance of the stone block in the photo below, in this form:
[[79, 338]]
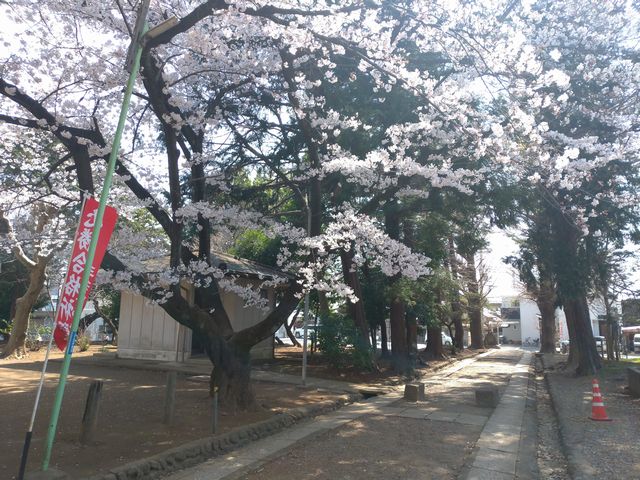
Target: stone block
[[412, 392], [50, 474], [487, 397], [633, 377]]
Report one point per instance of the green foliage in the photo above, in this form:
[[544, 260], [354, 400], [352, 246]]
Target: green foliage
[[37, 336], [430, 298], [109, 299], [255, 245], [339, 340], [631, 311], [5, 327], [13, 283], [83, 342], [374, 297]]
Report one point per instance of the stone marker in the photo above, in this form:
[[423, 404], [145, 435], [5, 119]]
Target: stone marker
[[90, 416], [170, 397], [414, 392], [487, 397], [633, 378]]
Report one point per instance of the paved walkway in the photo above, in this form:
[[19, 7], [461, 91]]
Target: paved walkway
[[499, 443], [449, 411]]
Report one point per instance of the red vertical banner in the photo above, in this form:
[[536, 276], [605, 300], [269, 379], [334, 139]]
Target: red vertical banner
[[70, 290]]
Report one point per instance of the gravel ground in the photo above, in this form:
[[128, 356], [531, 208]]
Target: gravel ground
[[597, 450], [552, 463]]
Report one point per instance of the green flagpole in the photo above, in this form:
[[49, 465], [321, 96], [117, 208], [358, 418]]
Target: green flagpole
[[51, 433]]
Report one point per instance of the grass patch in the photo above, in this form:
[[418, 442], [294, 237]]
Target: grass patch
[[612, 368]]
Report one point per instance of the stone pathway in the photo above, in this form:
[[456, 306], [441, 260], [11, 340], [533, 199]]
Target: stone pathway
[[499, 442], [449, 411]]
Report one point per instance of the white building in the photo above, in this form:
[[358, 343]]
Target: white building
[[521, 320], [146, 331]]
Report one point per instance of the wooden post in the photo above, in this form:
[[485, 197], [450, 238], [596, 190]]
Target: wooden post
[[90, 417], [170, 398], [214, 416]]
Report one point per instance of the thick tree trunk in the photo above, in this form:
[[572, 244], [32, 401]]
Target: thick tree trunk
[[571, 275], [434, 349], [583, 355], [356, 310], [475, 304], [398, 324], [546, 301], [24, 305], [231, 376], [547, 327], [458, 333], [399, 347]]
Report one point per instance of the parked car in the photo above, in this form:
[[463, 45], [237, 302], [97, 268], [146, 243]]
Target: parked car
[[600, 345], [447, 341], [636, 342], [299, 331]]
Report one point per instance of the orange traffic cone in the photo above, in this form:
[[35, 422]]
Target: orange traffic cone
[[597, 405]]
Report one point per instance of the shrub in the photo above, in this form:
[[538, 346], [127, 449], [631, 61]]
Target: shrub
[[339, 340], [83, 342]]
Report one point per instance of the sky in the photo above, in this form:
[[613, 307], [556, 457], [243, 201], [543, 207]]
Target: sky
[[503, 278]]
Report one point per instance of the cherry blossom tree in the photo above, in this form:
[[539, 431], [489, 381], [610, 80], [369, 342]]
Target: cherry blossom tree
[[237, 92], [232, 90], [573, 117]]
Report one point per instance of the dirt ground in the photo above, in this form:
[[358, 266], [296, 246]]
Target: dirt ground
[[130, 421], [360, 449], [393, 447]]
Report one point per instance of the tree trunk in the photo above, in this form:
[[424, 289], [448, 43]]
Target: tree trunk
[[434, 349], [475, 304], [287, 328], [399, 348], [412, 338], [583, 355], [456, 307], [231, 376], [323, 304], [610, 327], [546, 300], [24, 305], [384, 339], [571, 274], [356, 310], [374, 339]]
